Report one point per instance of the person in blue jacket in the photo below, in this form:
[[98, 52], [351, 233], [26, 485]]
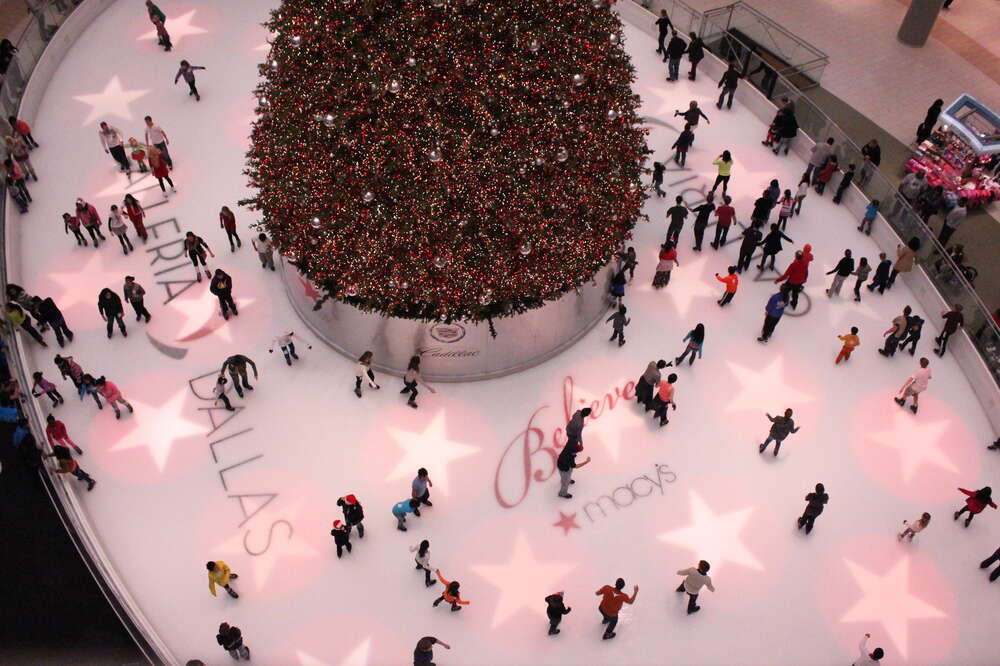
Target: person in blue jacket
[[400, 509], [772, 313]]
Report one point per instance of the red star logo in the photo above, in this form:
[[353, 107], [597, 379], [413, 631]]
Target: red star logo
[[310, 289], [567, 523]]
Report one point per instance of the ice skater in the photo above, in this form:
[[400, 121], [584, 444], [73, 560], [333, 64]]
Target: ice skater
[[231, 640], [647, 384], [871, 212], [681, 146], [666, 263], [618, 323], [915, 527], [725, 164], [627, 261], [845, 182], [861, 272], [284, 342], [895, 332], [21, 129], [881, 278], [341, 537], [732, 282], [109, 305], [354, 514], [112, 395], [117, 226], [751, 239], [66, 465], [156, 137], [19, 320], [135, 213], [695, 578], [566, 463], [227, 221], [617, 287], [612, 599], [422, 558], [160, 170], [362, 371], [163, 37], [222, 287], [134, 294], [989, 561], [450, 594], [840, 272], [187, 70], [420, 487], [400, 509], [423, 654], [138, 154], [781, 427], [785, 205], [664, 398], [69, 369], [701, 216], [851, 342], [914, 329], [555, 609], [815, 501], [725, 215], [657, 183], [18, 150], [677, 214], [55, 432], [72, 224], [867, 658], [88, 385], [196, 249], [771, 245], [113, 143], [695, 340], [914, 386], [237, 367], [264, 248], [219, 393], [953, 320], [976, 501], [42, 386], [800, 195], [773, 311], [220, 574], [411, 379]]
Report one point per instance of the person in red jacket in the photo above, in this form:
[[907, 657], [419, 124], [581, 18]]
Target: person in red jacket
[[797, 273], [55, 431], [20, 127], [976, 502], [612, 599], [731, 281]]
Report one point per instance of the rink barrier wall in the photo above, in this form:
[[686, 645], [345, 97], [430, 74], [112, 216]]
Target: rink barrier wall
[[454, 351], [61, 488], [975, 369]]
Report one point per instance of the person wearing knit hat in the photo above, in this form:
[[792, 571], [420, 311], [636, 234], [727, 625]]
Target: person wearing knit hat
[[353, 514], [867, 658], [90, 220], [341, 537]]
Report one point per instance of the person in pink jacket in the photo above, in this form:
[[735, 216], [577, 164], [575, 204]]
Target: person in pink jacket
[[111, 393]]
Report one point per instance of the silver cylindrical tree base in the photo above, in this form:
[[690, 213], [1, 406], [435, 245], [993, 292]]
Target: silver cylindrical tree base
[[457, 351]]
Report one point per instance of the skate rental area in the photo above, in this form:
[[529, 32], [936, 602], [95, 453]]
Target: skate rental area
[[181, 480]]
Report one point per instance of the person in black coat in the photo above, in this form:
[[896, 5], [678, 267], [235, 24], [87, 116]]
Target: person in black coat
[[675, 49], [772, 245], [231, 640], [110, 307], [728, 83], [556, 609], [762, 207], [702, 214], [930, 120], [696, 53], [845, 182], [872, 152], [353, 514], [787, 128], [222, 287], [881, 278], [341, 537], [843, 270], [50, 314], [751, 239], [665, 26], [814, 507]]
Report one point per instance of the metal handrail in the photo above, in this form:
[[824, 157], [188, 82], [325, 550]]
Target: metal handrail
[[57, 487]]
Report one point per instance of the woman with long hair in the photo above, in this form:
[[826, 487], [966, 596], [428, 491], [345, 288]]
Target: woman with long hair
[[423, 560], [363, 368], [695, 344], [725, 164], [411, 379], [976, 502], [135, 213], [160, 170], [450, 593]]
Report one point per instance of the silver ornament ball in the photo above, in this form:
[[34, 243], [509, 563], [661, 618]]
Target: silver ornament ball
[[328, 120], [539, 161], [412, 62], [494, 132], [296, 40], [440, 261], [368, 197], [315, 223], [612, 114], [525, 249], [534, 45], [562, 155], [578, 79], [394, 87], [613, 38], [434, 155]]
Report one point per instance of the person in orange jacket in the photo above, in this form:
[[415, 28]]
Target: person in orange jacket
[[731, 281], [850, 340], [450, 593], [219, 573]]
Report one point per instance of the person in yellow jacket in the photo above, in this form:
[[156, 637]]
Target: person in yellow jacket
[[220, 574]]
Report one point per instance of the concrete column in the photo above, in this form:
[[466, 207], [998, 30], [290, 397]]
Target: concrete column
[[919, 20]]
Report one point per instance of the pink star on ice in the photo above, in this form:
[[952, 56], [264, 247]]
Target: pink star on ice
[[761, 390], [157, 427], [431, 449], [357, 657], [566, 522], [520, 578], [715, 537], [886, 598], [112, 101], [179, 27], [83, 284], [916, 442]]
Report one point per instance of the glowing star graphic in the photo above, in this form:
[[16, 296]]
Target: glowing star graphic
[[566, 522], [760, 389], [431, 449], [357, 657], [179, 27], [520, 579], [112, 101], [715, 537], [887, 599], [916, 443], [663, 106], [158, 427], [202, 315], [288, 542], [139, 183], [83, 284]]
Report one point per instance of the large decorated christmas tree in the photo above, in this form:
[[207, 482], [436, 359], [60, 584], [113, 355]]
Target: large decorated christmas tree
[[462, 159]]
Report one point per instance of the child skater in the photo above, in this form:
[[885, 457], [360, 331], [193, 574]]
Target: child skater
[[138, 154], [976, 502], [55, 431], [851, 341], [219, 392], [411, 379], [284, 342], [869, 217], [628, 262], [800, 195], [423, 560], [667, 261], [43, 385], [117, 226], [786, 203], [364, 369], [618, 323], [915, 385], [341, 537], [658, 170], [912, 529], [555, 609], [450, 593], [112, 395], [187, 71], [732, 281], [696, 344]]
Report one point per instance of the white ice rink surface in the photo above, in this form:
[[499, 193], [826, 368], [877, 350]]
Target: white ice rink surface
[[180, 483]]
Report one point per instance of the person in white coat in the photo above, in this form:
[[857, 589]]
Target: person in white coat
[[867, 658], [284, 342], [694, 580], [423, 560], [363, 369]]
